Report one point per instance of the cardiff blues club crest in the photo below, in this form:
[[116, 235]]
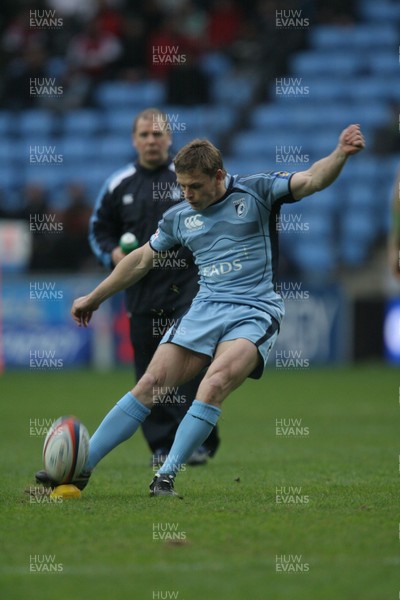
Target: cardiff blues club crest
[[241, 207]]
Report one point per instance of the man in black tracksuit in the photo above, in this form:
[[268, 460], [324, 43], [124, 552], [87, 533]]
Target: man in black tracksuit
[[133, 200]]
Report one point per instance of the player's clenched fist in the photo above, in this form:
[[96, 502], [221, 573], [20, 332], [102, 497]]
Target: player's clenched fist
[[82, 310], [351, 140]]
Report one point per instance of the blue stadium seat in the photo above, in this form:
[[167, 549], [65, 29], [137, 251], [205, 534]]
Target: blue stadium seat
[[325, 203], [50, 177], [6, 123], [245, 165], [335, 63], [24, 150], [78, 150], [384, 63], [215, 64], [383, 35], [232, 90], [315, 256], [358, 225], [216, 118], [328, 115], [82, 122], [255, 145], [120, 121], [140, 95], [119, 148], [312, 224], [320, 143], [94, 177], [363, 166], [327, 89], [200, 121], [353, 36], [152, 92], [281, 142], [348, 106], [35, 122], [181, 138], [387, 168], [266, 116], [374, 88], [9, 177], [379, 11], [7, 148], [363, 196], [34, 151], [329, 36], [183, 119], [353, 253]]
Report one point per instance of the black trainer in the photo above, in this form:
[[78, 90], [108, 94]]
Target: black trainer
[[46, 481], [163, 485]]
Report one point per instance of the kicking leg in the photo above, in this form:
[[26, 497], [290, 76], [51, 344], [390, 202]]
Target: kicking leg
[[171, 365], [233, 362]]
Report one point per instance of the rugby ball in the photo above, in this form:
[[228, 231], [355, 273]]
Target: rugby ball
[[66, 449]]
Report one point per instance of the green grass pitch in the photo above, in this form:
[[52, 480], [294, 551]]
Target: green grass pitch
[[307, 516]]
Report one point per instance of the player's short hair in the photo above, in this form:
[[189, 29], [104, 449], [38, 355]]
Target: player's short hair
[[199, 154], [159, 118]]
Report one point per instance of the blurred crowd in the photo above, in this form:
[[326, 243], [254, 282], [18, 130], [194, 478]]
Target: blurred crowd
[[59, 236], [96, 40], [81, 44]]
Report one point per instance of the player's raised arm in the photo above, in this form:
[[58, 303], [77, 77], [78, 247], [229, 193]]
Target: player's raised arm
[[127, 272], [324, 172]]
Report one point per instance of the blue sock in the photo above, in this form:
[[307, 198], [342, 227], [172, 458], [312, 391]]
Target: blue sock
[[194, 428], [120, 424]]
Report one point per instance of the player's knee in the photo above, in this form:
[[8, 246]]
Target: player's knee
[[216, 387], [151, 385]]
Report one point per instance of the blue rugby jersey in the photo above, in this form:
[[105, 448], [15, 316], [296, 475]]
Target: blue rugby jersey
[[234, 241]]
